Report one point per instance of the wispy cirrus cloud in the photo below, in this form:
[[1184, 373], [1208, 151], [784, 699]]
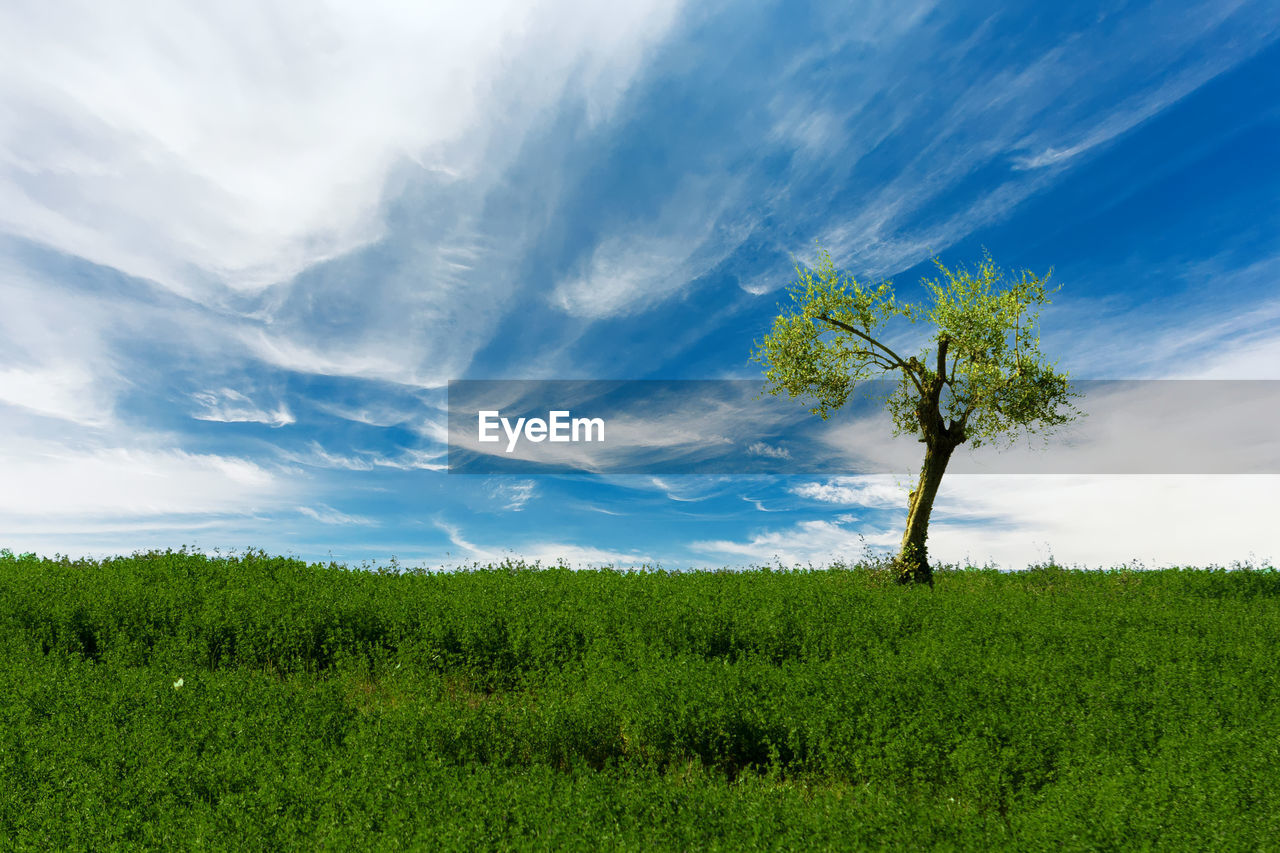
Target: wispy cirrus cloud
[[227, 405], [513, 495], [649, 260], [546, 553], [1249, 26], [329, 516], [816, 542], [1188, 333], [316, 455], [173, 164], [1070, 99]]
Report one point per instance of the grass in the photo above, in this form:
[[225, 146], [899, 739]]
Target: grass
[[523, 708]]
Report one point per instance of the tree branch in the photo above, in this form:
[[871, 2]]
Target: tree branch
[[897, 359], [880, 361], [943, 343]]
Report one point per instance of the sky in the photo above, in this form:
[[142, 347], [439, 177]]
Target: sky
[[245, 246]]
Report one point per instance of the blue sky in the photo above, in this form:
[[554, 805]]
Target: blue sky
[[244, 247]]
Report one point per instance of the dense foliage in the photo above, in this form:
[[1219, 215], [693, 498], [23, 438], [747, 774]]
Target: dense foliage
[[249, 702]]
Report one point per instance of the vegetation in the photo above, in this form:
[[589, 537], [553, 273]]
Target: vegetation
[[989, 381], [249, 702]]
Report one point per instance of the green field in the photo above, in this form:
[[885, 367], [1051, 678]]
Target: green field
[[518, 708]]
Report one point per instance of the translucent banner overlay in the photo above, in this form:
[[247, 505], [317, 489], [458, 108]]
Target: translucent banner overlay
[[723, 427]]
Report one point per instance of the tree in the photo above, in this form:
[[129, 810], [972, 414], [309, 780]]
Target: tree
[[988, 381]]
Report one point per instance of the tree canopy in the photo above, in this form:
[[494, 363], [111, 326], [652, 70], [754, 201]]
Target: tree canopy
[[979, 378]]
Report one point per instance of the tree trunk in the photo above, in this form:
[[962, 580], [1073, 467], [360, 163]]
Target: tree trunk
[[913, 560]]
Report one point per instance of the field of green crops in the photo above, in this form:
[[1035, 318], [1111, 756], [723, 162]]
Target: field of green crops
[[176, 700]]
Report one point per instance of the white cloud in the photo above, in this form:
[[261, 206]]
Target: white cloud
[[408, 459], [219, 150], [761, 448], [1068, 66], [1192, 334], [867, 491], [649, 261], [546, 553], [318, 457], [1056, 107], [1255, 358], [369, 358], [230, 406], [580, 556], [62, 389], [415, 459], [79, 537], [815, 542], [376, 414], [328, 515], [1244, 345], [57, 361], [513, 495], [46, 480], [474, 551], [686, 489], [244, 141], [76, 474]]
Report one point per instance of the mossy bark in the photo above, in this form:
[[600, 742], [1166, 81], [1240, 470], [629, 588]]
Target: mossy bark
[[913, 559]]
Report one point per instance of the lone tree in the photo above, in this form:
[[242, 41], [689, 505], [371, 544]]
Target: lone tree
[[988, 380]]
